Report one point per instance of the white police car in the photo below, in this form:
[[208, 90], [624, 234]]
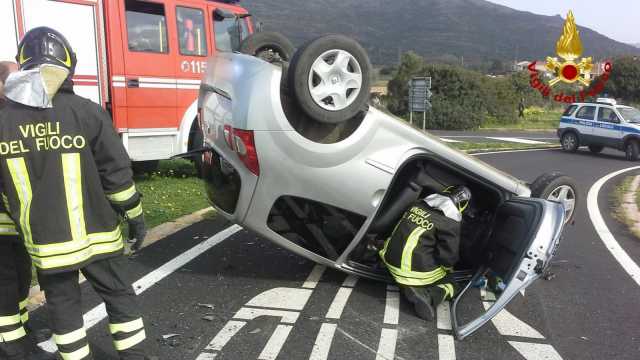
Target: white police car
[[599, 125]]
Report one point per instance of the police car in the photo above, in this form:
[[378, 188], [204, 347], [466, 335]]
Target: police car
[[599, 125]]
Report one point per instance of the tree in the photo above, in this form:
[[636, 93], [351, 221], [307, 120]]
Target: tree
[[624, 80]]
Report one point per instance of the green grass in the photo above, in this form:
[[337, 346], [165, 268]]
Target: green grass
[[617, 198], [535, 118], [171, 192], [467, 146]]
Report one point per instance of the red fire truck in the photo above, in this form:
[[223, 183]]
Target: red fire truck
[[142, 60]]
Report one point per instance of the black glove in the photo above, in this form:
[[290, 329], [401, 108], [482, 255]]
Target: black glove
[[137, 232]]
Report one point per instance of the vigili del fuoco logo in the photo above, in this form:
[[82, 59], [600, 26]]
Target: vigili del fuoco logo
[[570, 68]]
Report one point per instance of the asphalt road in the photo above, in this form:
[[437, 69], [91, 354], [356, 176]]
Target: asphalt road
[[588, 311]]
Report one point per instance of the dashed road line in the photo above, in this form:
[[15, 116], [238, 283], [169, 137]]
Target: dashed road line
[[517, 140], [340, 300], [610, 242], [450, 140], [446, 343], [323, 342], [389, 336], [275, 343], [387, 345]]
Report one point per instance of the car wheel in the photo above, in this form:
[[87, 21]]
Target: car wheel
[[631, 150], [556, 186], [329, 77], [269, 46], [198, 143], [570, 141], [596, 148]]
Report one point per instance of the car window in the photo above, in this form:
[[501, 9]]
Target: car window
[[570, 110], [630, 114], [586, 113], [146, 26], [228, 34], [191, 31], [607, 115]]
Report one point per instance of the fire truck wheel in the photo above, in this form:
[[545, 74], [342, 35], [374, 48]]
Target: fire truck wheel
[[329, 77], [269, 46]]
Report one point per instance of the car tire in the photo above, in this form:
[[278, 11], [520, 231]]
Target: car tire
[[269, 46], [556, 186], [569, 141], [631, 150], [596, 148], [326, 91], [198, 143]]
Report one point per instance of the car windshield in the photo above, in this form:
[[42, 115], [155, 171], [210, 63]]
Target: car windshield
[[630, 114]]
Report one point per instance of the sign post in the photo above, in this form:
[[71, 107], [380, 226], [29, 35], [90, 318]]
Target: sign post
[[419, 95]]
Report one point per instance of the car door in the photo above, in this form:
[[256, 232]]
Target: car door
[[607, 127], [585, 123], [524, 238]]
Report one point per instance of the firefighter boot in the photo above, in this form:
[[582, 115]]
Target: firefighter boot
[[24, 349], [422, 302]]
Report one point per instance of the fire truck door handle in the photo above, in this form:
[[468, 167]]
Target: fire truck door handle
[[133, 83]]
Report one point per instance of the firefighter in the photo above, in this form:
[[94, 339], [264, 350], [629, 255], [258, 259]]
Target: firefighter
[[424, 247], [15, 279], [67, 180]]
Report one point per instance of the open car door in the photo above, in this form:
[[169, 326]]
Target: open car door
[[524, 237]]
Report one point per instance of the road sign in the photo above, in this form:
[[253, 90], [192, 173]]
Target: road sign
[[419, 95]]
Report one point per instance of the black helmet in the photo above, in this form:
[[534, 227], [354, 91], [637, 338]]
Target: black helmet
[[460, 195], [43, 45]]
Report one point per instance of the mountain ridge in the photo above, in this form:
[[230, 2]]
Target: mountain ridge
[[473, 30]]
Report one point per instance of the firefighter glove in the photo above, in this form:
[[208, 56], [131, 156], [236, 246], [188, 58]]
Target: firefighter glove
[[137, 232]]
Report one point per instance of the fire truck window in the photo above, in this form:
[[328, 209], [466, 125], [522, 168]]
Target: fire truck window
[[191, 31], [146, 26], [229, 33]]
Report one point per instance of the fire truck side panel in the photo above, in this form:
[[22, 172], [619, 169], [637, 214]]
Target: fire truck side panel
[[56, 15]]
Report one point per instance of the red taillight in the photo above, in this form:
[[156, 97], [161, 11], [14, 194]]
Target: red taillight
[[246, 149]]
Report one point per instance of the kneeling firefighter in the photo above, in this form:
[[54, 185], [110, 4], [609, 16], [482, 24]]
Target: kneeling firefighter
[[64, 170], [424, 247]]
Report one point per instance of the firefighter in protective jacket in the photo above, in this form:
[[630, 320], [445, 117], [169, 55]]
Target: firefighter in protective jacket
[[15, 280], [424, 247], [66, 178]]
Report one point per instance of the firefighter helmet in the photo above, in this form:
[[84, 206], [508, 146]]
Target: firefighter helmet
[[460, 195], [43, 45]]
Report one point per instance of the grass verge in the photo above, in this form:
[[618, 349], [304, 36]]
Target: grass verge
[[616, 201], [490, 146], [534, 118]]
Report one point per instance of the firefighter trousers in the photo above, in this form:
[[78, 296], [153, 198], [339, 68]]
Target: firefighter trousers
[[108, 279], [15, 281]]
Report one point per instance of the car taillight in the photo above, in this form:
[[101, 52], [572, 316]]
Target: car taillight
[[246, 149]]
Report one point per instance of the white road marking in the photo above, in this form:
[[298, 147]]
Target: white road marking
[[533, 351], [323, 342], [223, 337], [282, 298], [510, 151], [443, 316], [246, 313], [99, 312], [392, 307], [509, 325], [314, 277], [340, 300], [275, 343], [450, 140], [517, 140], [603, 231], [387, 345], [446, 347]]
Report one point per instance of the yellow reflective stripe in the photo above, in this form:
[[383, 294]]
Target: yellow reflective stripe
[[70, 338], [73, 191], [5, 201], [123, 195], [24, 318], [20, 177], [23, 303], [79, 354], [411, 281], [13, 335], [5, 218], [8, 230], [78, 256], [9, 320], [71, 246], [131, 341], [448, 290], [130, 326], [409, 246], [135, 212]]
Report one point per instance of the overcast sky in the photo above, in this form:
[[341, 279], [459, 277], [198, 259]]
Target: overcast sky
[[617, 19]]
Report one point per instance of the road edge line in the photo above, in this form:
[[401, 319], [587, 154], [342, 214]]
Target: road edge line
[[610, 242]]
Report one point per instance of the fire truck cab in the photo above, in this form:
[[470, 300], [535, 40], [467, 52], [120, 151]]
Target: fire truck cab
[[141, 60]]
